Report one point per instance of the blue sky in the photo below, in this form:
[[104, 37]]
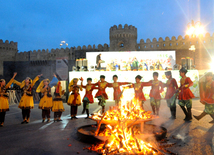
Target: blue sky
[[43, 24]]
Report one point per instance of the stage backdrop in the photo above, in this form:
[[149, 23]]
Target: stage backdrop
[[129, 76], [124, 59]]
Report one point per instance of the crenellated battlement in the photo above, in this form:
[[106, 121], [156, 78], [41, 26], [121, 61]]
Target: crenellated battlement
[[54, 53], [120, 27], [6, 46], [123, 32], [176, 43]]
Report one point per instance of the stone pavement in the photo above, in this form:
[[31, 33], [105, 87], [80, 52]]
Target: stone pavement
[[58, 138]]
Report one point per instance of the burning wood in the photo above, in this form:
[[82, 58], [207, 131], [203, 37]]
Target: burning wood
[[120, 128]]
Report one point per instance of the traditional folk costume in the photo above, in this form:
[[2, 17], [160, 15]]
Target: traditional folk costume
[[185, 95], [171, 95], [207, 99], [4, 105], [58, 107], [88, 98], [155, 98], [26, 103], [101, 94], [138, 89], [46, 102], [74, 99], [117, 91]]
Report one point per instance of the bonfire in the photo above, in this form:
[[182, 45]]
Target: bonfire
[[124, 127]]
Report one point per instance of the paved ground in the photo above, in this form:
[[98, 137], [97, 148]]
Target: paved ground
[[59, 138]]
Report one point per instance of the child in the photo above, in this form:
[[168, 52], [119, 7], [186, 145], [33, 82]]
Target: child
[[185, 95], [170, 96], [88, 98], [46, 100], [138, 88], [58, 107], [208, 98], [101, 94], [157, 88], [26, 103], [4, 105], [74, 99], [116, 86]]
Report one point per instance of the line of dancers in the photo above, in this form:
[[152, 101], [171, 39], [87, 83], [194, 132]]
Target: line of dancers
[[49, 103]]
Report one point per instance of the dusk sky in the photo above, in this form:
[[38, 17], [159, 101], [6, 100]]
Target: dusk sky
[[43, 24]]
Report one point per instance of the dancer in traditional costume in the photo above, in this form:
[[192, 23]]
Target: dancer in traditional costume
[[58, 107], [171, 94], [4, 105], [101, 94], [26, 103], [155, 98], [185, 95], [207, 97], [88, 98], [46, 102], [116, 86], [138, 89], [74, 99]]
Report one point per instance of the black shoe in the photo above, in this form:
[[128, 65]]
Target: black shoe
[[172, 117], [59, 120], [23, 122], [26, 122], [72, 118], [75, 117], [43, 121], [87, 117]]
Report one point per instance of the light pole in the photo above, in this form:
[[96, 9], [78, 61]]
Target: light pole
[[194, 29], [63, 43]]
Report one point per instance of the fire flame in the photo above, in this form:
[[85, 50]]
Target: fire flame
[[120, 129]]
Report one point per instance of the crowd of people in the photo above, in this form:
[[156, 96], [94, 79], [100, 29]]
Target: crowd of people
[[54, 103]]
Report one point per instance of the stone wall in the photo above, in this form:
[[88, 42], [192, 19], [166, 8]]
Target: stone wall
[[123, 39]]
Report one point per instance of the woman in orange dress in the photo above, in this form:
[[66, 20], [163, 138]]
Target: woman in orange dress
[[4, 105], [26, 103]]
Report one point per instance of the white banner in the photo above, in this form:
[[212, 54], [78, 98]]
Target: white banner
[[125, 59]]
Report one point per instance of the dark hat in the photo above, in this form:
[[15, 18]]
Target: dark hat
[[138, 77], [102, 76], [115, 76], [155, 74], [183, 70], [89, 79], [168, 73]]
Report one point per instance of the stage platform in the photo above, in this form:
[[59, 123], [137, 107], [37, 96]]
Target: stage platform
[[129, 76]]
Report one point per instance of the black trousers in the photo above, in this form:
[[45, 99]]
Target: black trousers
[[25, 114], [74, 110], [46, 113], [2, 117], [57, 114]]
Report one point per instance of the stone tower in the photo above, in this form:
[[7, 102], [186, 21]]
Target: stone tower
[[123, 39], [8, 52]]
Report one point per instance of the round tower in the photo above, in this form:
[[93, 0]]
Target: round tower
[[123, 39]]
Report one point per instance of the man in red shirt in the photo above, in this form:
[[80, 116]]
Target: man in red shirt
[[157, 88], [207, 97], [185, 95], [170, 96], [101, 94]]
